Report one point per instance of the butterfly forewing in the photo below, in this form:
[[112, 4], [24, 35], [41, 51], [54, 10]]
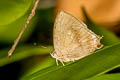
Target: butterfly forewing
[[72, 39]]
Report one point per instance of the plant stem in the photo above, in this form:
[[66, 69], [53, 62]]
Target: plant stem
[[23, 29]]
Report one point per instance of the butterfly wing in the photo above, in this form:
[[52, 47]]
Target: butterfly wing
[[72, 39]]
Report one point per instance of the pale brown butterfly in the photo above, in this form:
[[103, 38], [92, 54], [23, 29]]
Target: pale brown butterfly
[[72, 39]]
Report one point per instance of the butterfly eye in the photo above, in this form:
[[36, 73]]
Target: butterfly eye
[[54, 55]]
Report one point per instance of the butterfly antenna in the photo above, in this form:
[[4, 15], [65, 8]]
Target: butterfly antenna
[[23, 29]]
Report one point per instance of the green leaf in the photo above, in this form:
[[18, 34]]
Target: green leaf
[[8, 33], [98, 63], [22, 52], [37, 65], [11, 10], [109, 37], [115, 76]]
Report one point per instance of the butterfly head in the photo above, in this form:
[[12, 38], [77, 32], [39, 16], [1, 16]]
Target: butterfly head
[[53, 54]]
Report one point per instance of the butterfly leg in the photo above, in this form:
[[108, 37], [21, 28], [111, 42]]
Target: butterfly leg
[[61, 62], [57, 62]]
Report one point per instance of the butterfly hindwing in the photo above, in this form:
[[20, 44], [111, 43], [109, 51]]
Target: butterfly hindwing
[[72, 39]]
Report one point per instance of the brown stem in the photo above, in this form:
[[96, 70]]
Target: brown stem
[[23, 29]]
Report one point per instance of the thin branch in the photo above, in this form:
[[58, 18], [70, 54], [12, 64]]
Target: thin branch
[[23, 29]]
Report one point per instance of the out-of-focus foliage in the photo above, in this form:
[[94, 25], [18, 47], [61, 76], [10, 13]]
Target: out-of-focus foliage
[[12, 10], [23, 52], [33, 54], [9, 32], [13, 15]]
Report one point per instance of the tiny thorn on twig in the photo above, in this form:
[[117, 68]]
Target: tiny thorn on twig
[[23, 29]]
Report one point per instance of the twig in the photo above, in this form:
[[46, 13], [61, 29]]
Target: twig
[[23, 29]]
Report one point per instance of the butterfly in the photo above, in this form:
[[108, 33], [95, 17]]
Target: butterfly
[[72, 39]]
